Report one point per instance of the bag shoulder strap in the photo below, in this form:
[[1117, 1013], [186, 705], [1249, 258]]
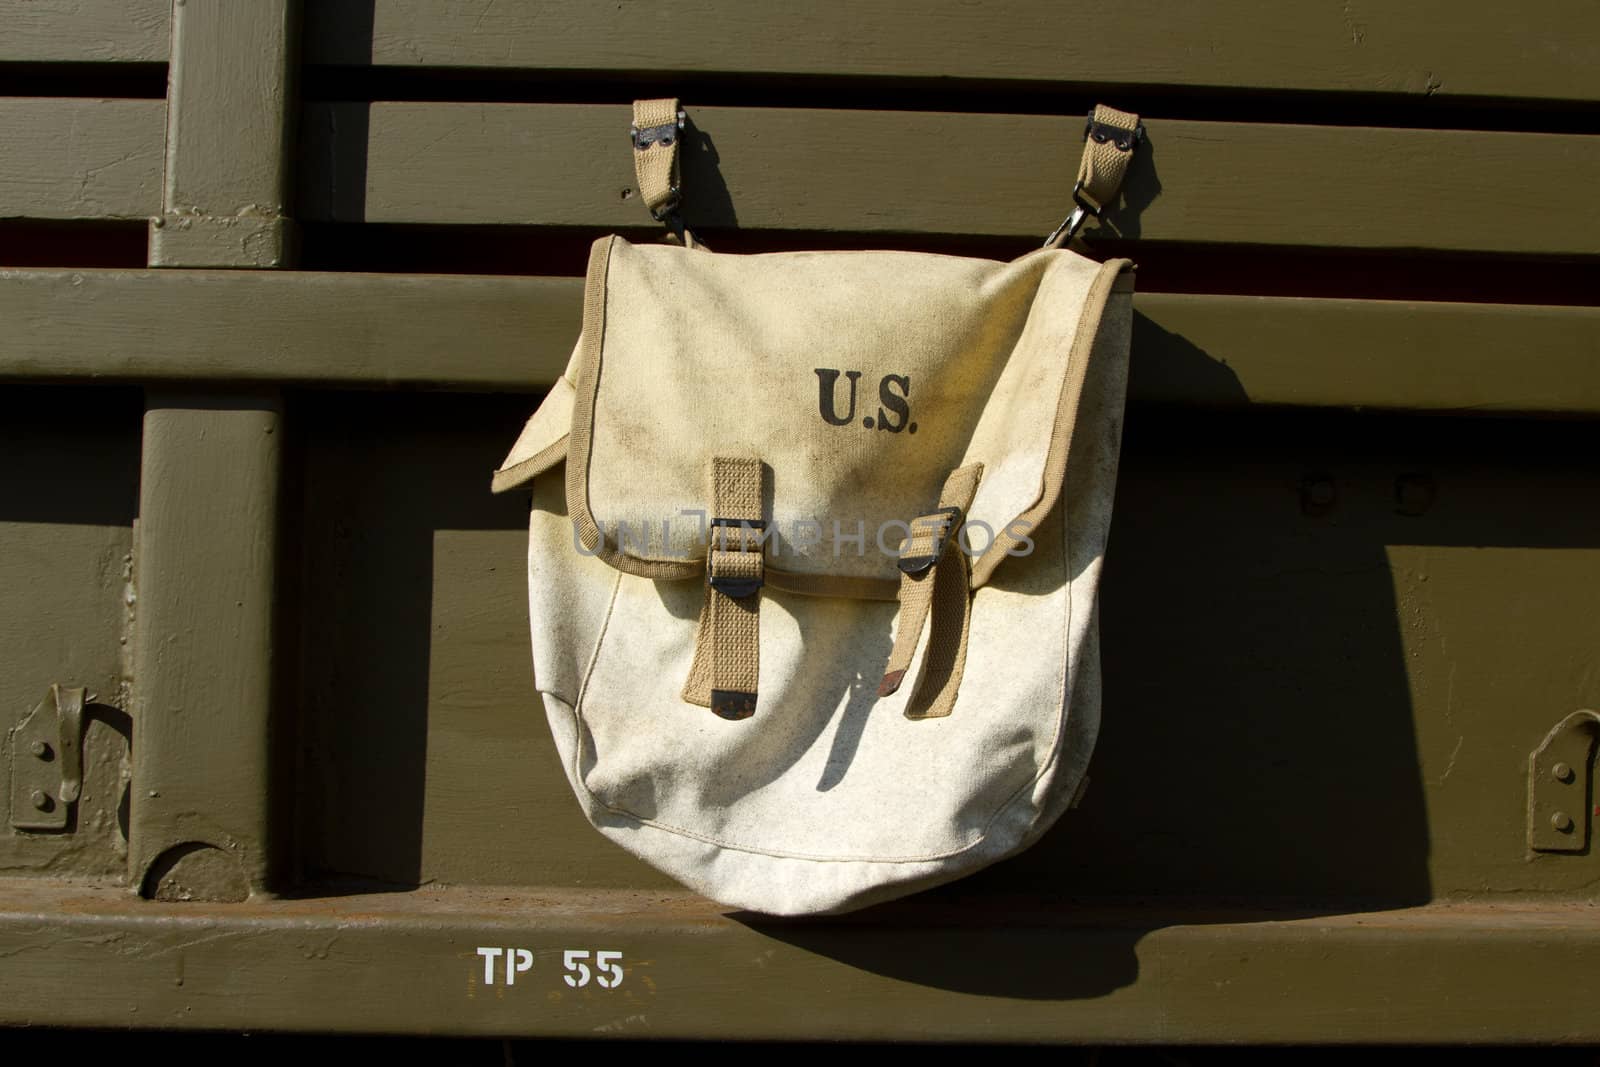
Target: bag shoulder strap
[[1109, 140], [656, 133]]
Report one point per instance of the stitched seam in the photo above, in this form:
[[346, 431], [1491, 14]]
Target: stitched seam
[[583, 690], [1082, 349], [535, 465]]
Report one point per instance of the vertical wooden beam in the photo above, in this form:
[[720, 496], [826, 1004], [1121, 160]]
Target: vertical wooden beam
[[228, 116], [202, 678], [201, 822]]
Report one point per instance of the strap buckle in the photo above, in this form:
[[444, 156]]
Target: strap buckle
[[1081, 211], [665, 135], [667, 214], [917, 565], [731, 585], [1103, 133]]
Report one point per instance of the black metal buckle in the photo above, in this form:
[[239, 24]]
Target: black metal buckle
[[1081, 211], [916, 565], [735, 587], [664, 135], [1105, 133], [667, 214]]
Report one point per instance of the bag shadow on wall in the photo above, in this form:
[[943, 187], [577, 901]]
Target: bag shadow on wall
[[707, 202], [1139, 191], [1257, 757]]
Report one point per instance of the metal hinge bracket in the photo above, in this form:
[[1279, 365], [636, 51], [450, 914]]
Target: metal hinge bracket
[[47, 761], [1558, 785]]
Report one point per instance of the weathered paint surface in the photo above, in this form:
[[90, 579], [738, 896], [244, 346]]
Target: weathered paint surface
[[410, 963], [85, 31], [223, 193], [77, 159], [203, 655], [1247, 183], [68, 493], [375, 331], [207, 557], [1430, 49]]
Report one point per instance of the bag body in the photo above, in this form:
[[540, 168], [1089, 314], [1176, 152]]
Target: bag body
[[890, 678]]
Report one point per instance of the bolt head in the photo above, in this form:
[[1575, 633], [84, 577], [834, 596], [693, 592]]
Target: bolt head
[[1562, 822], [41, 800], [1561, 772], [40, 749]]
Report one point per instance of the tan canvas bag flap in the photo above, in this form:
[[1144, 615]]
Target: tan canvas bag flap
[[542, 444], [861, 380]]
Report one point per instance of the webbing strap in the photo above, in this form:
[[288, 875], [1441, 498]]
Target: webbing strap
[[933, 583], [1108, 144], [946, 658], [655, 154], [1107, 151], [727, 649]]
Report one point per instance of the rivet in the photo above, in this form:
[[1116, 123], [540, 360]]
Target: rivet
[[40, 799], [1561, 772], [1562, 822], [40, 749]]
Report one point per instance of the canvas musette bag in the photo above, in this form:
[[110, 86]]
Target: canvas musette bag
[[814, 546]]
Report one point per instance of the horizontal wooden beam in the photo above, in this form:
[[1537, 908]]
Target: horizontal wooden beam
[[282, 326], [84, 31], [912, 172], [416, 963], [80, 158], [456, 331], [1434, 48]]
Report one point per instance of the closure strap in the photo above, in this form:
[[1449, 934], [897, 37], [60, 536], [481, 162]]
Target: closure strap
[[727, 649], [933, 583]]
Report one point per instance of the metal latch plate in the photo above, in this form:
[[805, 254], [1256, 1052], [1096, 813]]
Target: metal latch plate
[[1558, 785], [46, 761]]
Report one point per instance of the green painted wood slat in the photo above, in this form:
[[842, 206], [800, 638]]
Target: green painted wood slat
[[409, 963], [84, 31], [1264, 184], [80, 158], [1434, 48], [469, 332], [1006, 175]]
